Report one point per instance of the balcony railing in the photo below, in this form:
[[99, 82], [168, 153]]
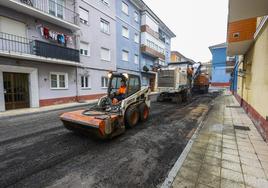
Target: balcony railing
[[54, 8], [16, 44], [152, 52], [53, 51]]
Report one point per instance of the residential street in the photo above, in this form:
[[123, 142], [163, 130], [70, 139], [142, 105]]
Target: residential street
[[37, 151]]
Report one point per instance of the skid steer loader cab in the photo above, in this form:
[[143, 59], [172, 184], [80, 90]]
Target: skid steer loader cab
[[106, 119], [133, 84]]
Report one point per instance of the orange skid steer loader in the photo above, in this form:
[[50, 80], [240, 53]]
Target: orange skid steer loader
[[114, 112]]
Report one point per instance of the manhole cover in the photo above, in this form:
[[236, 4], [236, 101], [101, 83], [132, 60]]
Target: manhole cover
[[233, 106], [244, 128]]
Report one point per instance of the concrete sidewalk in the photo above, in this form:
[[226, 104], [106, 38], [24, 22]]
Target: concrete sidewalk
[[25, 111], [223, 154]]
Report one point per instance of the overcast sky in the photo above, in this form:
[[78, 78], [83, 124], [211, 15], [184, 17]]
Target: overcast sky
[[198, 24]]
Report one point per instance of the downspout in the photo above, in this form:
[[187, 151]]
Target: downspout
[[237, 64], [140, 49], [77, 43]]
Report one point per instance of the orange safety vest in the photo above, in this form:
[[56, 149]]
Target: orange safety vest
[[122, 90], [189, 72]]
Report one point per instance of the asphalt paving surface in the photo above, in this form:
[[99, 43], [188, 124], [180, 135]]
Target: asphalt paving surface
[[37, 151]]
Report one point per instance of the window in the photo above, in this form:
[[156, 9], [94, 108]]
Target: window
[[136, 16], [134, 84], [136, 59], [105, 26], [56, 8], [136, 38], [85, 82], [145, 81], [125, 55], [84, 49], [154, 46], [84, 15], [167, 41], [125, 8], [105, 54], [162, 62], [58, 80], [106, 2], [125, 32], [104, 82], [12, 27]]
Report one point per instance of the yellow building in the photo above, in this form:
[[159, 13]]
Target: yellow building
[[248, 38]]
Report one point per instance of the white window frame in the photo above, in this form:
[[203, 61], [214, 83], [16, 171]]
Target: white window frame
[[127, 52], [167, 41], [162, 62], [58, 80], [88, 49], [105, 86], [103, 48], [137, 38], [83, 77], [56, 9], [127, 32], [136, 57], [106, 2], [125, 5], [83, 21], [102, 23], [136, 16]]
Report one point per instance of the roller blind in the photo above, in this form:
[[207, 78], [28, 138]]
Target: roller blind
[[83, 14], [12, 27]]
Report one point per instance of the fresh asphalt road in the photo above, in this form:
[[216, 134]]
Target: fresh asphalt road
[[37, 151]]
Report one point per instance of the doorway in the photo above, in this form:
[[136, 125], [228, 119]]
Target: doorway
[[16, 90]]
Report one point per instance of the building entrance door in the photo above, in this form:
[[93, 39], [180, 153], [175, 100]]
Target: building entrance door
[[16, 90], [152, 83]]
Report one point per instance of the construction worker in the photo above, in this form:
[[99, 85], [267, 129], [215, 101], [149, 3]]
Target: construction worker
[[121, 93], [190, 75]]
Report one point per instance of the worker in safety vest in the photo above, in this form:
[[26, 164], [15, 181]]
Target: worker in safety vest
[[190, 75], [121, 93]]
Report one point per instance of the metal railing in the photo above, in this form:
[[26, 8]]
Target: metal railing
[[13, 43], [53, 51], [21, 45], [54, 8]]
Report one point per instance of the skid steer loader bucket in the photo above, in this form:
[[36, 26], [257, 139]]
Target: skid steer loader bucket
[[91, 122]]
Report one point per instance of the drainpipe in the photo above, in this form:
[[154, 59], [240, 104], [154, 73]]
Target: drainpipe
[[237, 64], [140, 68], [77, 45]]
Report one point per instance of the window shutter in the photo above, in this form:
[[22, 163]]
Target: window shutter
[[83, 14]]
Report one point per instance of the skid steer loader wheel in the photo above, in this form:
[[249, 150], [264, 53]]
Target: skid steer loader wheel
[[144, 112], [132, 116]]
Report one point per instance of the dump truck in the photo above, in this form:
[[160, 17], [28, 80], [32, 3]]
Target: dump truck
[[201, 83], [108, 119]]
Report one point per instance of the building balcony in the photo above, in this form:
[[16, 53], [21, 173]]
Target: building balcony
[[242, 23], [17, 47], [47, 10], [240, 36], [245, 9], [151, 52], [147, 29]]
